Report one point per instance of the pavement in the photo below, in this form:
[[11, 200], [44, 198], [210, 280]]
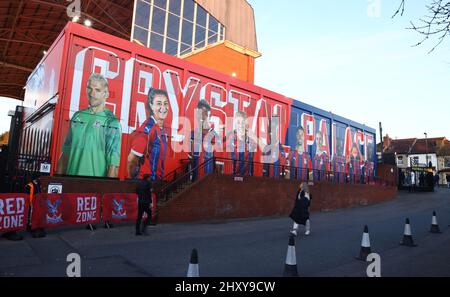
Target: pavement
[[249, 247]]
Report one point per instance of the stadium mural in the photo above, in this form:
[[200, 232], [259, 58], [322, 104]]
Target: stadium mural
[[125, 111]]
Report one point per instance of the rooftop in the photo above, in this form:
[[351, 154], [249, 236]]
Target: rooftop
[[29, 27]]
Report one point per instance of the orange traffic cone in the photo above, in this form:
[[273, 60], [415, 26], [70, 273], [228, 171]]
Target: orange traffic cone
[[290, 267], [365, 245], [407, 236], [434, 224]]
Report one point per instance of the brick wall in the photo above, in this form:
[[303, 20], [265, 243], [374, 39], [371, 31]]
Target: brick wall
[[387, 172], [220, 197], [89, 185]]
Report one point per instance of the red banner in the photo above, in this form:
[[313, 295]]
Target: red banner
[[85, 208], [52, 210], [13, 211], [48, 211], [119, 207]]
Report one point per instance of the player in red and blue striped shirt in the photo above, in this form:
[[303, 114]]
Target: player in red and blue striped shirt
[[300, 158], [151, 142], [241, 146]]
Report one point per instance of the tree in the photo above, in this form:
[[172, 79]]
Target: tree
[[435, 23], [4, 138]]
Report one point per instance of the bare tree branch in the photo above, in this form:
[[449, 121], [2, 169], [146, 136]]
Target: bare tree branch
[[400, 8], [435, 23]]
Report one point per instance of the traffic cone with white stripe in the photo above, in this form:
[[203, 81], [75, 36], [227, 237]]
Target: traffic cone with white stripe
[[407, 236], [193, 265], [434, 224], [290, 267], [365, 245]]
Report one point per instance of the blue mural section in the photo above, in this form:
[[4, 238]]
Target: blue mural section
[[324, 146]]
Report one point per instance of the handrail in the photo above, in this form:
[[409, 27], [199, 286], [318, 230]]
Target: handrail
[[170, 187], [175, 171]]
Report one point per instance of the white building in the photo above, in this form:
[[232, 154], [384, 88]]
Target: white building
[[418, 153]]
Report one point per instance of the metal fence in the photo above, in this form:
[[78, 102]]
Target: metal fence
[[23, 159], [275, 171]]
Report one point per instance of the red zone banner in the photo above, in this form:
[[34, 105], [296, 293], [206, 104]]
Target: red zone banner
[[120, 207], [53, 210], [14, 210]]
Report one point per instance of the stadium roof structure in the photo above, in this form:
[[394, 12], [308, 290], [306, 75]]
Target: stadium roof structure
[[29, 27]]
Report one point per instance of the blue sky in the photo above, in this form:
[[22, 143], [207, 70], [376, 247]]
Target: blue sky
[[350, 57]]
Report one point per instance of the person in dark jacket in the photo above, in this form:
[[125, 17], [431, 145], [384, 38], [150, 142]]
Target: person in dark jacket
[[144, 191], [300, 212], [436, 180], [34, 188]]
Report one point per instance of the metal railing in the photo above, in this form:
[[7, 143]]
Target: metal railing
[[191, 174], [230, 167], [226, 166]]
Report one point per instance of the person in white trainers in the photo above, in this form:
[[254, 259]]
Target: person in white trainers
[[300, 212]]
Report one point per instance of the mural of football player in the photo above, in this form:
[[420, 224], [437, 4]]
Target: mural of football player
[[150, 142], [368, 164], [338, 160], [321, 158], [274, 155], [354, 162], [300, 158], [242, 146], [203, 140], [92, 144], [338, 165]]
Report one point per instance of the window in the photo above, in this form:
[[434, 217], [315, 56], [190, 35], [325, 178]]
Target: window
[[156, 42], [143, 14], [141, 35], [198, 27], [158, 20], [200, 37], [160, 3], [201, 17], [222, 32], [175, 7], [173, 27], [186, 37], [188, 10], [400, 160], [213, 31], [447, 162], [171, 47]]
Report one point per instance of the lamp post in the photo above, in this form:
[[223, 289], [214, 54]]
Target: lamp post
[[426, 148]]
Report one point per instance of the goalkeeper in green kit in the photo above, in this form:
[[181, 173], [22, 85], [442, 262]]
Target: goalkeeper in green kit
[[92, 144]]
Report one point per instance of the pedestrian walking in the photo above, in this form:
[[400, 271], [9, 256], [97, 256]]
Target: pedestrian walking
[[300, 211], [144, 191]]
